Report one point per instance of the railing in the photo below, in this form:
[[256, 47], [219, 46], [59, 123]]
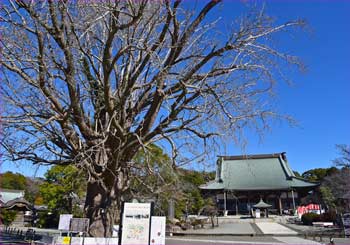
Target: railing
[[324, 234], [28, 236]]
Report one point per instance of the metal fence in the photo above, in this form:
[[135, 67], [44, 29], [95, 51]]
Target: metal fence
[[24, 236]]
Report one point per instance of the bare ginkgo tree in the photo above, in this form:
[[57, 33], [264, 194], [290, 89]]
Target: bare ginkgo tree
[[90, 83]]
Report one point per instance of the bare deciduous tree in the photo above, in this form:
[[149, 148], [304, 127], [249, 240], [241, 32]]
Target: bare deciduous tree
[[91, 83], [344, 160]]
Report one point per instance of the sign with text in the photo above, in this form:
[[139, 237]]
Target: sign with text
[[136, 223], [346, 223], [64, 222], [158, 224], [79, 225]]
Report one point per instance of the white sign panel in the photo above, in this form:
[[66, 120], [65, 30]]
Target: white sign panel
[[157, 230], [64, 222], [136, 223], [257, 213]]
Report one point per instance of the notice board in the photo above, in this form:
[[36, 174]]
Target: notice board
[[79, 225], [136, 223], [64, 222]]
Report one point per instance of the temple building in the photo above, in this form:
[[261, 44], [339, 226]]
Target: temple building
[[241, 181], [14, 200]]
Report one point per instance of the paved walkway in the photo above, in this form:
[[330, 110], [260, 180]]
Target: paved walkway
[[214, 240], [269, 228], [241, 229], [341, 240], [295, 240], [224, 229]]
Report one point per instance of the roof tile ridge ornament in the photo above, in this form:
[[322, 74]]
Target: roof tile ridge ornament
[[284, 157], [285, 166], [218, 176]]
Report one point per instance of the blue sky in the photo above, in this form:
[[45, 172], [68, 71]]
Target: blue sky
[[318, 99]]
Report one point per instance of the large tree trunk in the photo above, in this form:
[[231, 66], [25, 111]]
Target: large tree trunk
[[103, 203], [101, 209]]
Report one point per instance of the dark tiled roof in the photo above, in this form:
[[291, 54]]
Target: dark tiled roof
[[18, 203], [257, 172]]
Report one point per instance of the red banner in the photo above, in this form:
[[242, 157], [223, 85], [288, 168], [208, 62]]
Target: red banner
[[306, 209]]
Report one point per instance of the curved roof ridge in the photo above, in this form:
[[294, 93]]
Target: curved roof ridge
[[251, 156], [20, 201]]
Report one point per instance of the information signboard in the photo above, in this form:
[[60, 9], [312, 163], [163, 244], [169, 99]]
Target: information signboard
[[79, 225], [346, 223], [64, 222], [136, 223], [158, 224], [257, 213]]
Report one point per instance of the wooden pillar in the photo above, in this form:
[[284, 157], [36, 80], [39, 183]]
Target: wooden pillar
[[249, 199], [280, 203], [293, 201], [224, 203], [250, 208], [265, 199]]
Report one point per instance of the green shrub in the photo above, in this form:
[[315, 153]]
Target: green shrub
[[328, 217], [308, 218], [46, 220], [7, 216], [197, 222]]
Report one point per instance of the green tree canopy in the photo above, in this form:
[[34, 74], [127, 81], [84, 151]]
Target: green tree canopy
[[17, 181], [327, 196], [63, 187], [296, 173], [193, 200], [335, 187], [13, 181], [157, 179], [318, 174]]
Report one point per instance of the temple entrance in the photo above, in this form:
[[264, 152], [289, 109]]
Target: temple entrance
[[241, 203]]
